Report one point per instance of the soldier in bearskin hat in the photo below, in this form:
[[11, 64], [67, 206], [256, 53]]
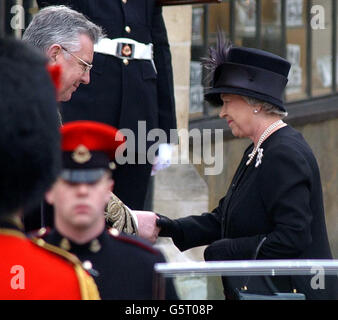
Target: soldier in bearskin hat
[[29, 164]]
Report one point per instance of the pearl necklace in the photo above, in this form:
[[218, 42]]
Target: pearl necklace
[[259, 150]]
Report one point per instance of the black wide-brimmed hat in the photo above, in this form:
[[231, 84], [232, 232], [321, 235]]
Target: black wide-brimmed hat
[[248, 72]]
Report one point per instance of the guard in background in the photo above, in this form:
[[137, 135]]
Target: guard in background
[[29, 164], [131, 81], [122, 265], [66, 37]]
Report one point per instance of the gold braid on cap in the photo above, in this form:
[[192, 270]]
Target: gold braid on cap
[[119, 217]]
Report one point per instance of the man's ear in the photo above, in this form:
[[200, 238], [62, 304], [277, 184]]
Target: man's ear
[[49, 196], [53, 52]]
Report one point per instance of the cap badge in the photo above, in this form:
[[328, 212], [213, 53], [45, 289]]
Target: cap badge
[[81, 154]]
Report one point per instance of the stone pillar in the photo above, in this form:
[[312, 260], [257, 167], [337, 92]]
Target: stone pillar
[[179, 190]]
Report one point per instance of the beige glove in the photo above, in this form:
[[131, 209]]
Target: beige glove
[[119, 216]]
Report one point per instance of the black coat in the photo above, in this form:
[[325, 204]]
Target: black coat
[[125, 95], [122, 265], [282, 200], [118, 94]]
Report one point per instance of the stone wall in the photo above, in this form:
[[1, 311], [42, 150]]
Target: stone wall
[[178, 23], [179, 190], [323, 139]]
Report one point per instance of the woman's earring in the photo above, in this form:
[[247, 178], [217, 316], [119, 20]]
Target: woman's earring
[[255, 111]]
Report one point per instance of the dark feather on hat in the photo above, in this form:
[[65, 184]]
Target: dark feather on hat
[[217, 55]]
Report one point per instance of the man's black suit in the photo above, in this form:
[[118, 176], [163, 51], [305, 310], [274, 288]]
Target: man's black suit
[[122, 95]]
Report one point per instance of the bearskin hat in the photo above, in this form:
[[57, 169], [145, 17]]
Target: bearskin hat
[[29, 135]]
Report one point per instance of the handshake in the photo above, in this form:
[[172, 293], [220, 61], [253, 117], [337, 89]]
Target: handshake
[[145, 224], [147, 227]]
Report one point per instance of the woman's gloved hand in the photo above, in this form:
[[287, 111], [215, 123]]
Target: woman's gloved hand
[[169, 228]]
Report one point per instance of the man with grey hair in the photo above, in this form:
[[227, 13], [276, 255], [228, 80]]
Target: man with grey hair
[[67, 37]]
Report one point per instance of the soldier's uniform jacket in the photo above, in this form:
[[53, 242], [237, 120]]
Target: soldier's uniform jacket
[[121, 265], [35, 270], [122, 94]]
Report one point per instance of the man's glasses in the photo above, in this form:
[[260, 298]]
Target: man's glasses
[[85, 66]]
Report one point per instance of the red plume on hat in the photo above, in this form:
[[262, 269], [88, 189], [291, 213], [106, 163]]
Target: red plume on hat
[[55, 74]]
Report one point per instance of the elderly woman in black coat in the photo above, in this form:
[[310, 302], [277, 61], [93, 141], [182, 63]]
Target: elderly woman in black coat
[[276, 191]]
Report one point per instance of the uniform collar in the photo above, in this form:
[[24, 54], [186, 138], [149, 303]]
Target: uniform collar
[[93, 246], [12, 223]]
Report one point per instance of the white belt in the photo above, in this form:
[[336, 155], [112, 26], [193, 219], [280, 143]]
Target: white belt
[[125, 48]]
